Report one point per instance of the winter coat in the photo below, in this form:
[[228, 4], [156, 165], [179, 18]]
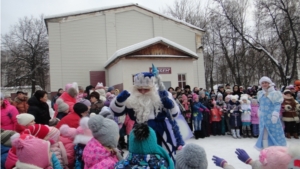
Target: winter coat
[[270, 102], [216, 115], [205, 102], [235, 114], [55, 162], [289, 114], [97, 107], [129, 124], [39, 110], [68, 99], [143, 161], [69, 147], [58, 149], [8, 116], [246, 111], [11, 159], [21, 105], [198, 108], [254, 114], [72, 120], [4, 154], [96, 156]]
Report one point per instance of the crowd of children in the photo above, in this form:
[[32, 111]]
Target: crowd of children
[[88, 135], [234, 112]]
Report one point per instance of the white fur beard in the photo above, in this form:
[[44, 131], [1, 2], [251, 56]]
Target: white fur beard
[[144, 105]]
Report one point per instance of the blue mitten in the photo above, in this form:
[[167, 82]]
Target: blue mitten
[[123, 96], [163, 94], [219, 161], [243, 156]]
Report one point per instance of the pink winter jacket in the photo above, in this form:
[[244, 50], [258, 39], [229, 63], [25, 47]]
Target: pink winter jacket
[[254, 114], [60, 152], [8, 116], [95, 156], [11, 159], [69, 147], [129, 124]]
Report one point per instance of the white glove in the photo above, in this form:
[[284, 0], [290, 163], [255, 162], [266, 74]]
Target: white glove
[[231, 111], [275, 116]]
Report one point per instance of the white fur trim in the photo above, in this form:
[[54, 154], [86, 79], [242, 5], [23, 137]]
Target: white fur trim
[[115, 108], [82, 139], [84, 122], [265, 79], [20, 165], [14, 137]]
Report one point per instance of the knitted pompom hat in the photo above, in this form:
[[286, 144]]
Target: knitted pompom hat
[[72, 89], [32, 152], [53, 135], [61, 105], [37, 130], [105, 130], [24, 119], [234, 97], [195, 96], [142, 140], [191, 156], [275, 157], [5, 137]]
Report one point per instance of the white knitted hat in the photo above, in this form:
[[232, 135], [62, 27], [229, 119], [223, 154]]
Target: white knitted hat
[[25, 118]]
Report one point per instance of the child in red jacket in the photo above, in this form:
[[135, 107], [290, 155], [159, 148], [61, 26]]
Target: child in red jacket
[[216, 119]]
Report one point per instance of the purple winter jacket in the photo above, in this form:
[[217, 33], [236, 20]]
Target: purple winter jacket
[[254, 114]]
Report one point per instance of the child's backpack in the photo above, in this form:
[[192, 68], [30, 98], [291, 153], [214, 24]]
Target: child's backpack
[[141, 161]]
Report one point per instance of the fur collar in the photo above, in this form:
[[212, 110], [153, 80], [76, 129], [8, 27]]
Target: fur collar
[[20, 165], [270, 89]]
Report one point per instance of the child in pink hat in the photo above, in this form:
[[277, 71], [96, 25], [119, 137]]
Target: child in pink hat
[[34, 153], [275, 157]]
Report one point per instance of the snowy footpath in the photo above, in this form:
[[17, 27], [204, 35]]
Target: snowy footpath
[[224, 147]]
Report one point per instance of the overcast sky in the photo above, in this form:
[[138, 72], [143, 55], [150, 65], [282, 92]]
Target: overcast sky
[[12, 10]]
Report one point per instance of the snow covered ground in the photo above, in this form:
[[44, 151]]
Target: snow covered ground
[[224, 147]]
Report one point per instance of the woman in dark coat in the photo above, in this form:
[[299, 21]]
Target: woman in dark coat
[[205, 126], [236, 91], [39, 108]]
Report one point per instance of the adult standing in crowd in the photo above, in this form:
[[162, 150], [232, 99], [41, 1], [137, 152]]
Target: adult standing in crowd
[[8, 114], [196, 90], [39, 108], [205, 126], [20, 102], [222, 91], [97, 104], [88, 90], [236, 91], [58, 94], [270, 127], [227, 87]]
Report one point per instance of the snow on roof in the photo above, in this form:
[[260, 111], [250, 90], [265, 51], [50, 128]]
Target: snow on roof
[[120, 6], [143, 44]]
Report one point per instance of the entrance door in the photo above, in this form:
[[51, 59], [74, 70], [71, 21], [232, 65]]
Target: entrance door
[[167, 84]]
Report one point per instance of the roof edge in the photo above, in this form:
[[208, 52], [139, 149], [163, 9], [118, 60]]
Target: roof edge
[[121, 6]]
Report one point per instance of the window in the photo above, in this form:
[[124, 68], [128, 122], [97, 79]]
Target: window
[[181, 80]]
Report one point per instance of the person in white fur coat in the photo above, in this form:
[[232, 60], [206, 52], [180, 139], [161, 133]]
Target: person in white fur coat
[[246, 115]]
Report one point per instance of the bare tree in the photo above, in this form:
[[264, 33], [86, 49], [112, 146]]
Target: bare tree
[[27, 48], [279, 22], [190, 11]]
